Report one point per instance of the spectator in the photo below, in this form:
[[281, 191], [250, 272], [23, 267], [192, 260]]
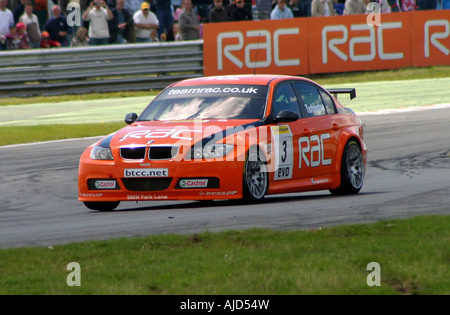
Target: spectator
[[281, 11], [31, 22], [57, 26], [230, 7], [146, 24], [12, 38], [98, 14], [120, 25], [240, 13], [165, 16], [6, 19], [189, 22], [218, 13], [409, 5], [81, 38], [41, 11], [354, 7], [18, 11], [17, 37], [46, 42], [322, 8], [294, 5]]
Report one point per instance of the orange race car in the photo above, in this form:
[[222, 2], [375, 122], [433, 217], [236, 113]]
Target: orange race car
[[228, 137]]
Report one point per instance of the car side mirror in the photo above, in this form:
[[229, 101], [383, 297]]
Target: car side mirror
[[286, 116], [130, 118]]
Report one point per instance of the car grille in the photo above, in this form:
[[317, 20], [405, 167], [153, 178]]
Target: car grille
[[162, 152], [132, 153], [147, 184], [154, 153]]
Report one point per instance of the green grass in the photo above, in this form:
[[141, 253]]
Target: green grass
[[413, 254], [28, 134]]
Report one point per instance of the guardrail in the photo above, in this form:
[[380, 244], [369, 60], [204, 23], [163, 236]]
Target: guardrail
[[111, 68]]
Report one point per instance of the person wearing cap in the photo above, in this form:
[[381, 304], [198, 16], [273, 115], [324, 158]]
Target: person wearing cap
[[18, 39], [6, 19], [46, 42], [281, 11], [218, 13], [189, 22], [240, 13], [98, 14], [146, 24]]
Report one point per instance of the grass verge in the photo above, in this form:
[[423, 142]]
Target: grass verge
[[413, 255], [28, 134]]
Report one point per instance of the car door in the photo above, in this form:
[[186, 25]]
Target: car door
[[285, 135], [321, 130]]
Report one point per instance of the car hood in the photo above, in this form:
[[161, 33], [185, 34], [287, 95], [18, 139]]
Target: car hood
[[183, 133]]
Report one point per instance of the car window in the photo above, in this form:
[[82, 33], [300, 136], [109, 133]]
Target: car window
[[311, 99], [329, 104], [285, 99]]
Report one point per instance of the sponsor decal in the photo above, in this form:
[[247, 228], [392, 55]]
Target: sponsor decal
[[146, 172], [219, 193], [147, 197], [193, 183], [105, 184], [284, 151]]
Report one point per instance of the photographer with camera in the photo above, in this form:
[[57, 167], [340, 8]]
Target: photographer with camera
[[98, 14]]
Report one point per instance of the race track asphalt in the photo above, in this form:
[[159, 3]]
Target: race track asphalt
[[408, 175]]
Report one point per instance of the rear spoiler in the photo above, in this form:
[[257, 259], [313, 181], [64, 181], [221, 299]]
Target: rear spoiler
[[350, 91]]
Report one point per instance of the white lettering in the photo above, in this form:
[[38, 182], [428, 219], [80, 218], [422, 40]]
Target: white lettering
[[435, 36]]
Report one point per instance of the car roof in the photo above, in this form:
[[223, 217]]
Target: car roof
[[260, 79]]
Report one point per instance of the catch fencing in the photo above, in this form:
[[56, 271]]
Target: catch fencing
[[78, 70]]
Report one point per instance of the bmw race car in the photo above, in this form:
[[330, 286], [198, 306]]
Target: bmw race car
[[228, 137]]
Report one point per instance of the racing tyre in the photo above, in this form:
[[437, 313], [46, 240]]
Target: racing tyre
[[101, 206], [256, 180], [352, 170]]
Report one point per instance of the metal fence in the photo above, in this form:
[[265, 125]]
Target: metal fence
[[98, 68]]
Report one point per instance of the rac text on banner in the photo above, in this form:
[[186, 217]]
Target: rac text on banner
[[256, 47]]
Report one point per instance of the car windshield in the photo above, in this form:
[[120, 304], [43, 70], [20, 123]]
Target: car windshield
[[208, 102]]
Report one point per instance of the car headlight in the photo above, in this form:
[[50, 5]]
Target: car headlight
[[101, 153], [212, 151]]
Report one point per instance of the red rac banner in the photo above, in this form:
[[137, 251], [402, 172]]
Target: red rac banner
[[328, 44]]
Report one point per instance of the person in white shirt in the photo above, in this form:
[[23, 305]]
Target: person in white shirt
[[6, 20], [32, 25], [146, 24], [281, 11], [98, 15]]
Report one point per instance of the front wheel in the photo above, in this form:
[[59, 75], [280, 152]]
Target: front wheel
[[352, 170], [255, 180], [101, 206]]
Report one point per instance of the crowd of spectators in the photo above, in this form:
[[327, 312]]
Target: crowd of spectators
[[43, 23]]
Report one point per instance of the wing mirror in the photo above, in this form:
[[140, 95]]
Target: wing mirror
[[286, 116], [130, 118]]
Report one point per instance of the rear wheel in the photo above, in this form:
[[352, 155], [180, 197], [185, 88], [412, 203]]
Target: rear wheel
[[101, 205], [255, 180], [352, 170]]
